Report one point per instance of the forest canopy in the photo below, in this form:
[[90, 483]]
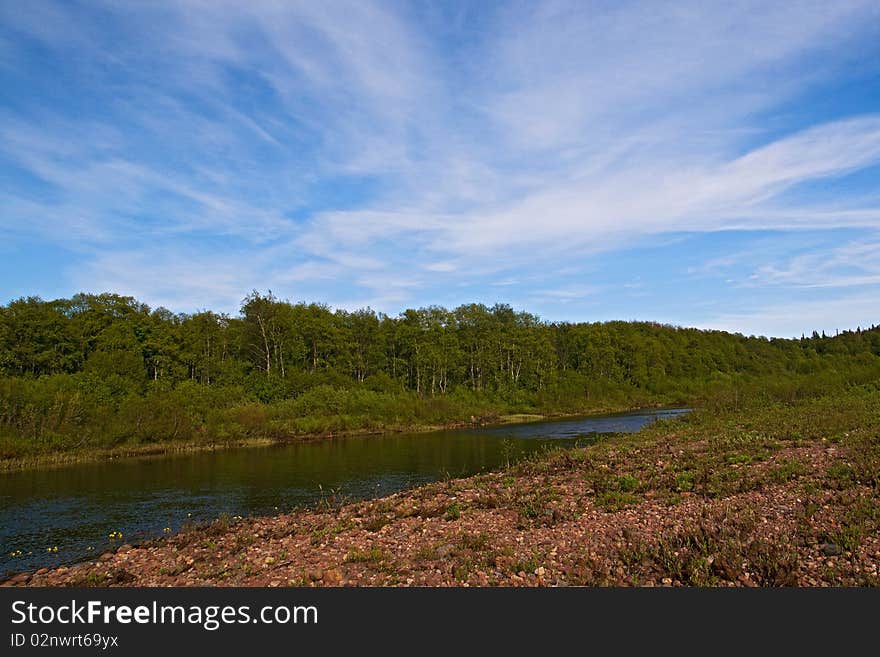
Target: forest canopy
[[103, 370]]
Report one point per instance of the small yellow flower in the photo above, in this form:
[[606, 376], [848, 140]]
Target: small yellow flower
[[167, 530]]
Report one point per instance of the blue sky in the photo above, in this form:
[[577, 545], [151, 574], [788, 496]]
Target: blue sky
[[702, 164]]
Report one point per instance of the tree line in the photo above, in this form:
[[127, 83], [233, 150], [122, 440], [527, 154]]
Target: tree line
[[101, 350]]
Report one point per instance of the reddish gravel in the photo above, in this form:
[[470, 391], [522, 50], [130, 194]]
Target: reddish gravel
[[780, 521]]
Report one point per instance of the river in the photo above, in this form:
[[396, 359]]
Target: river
[[75, 508]]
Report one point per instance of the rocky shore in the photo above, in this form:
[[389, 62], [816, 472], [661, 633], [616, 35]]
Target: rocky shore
[[706, 501]]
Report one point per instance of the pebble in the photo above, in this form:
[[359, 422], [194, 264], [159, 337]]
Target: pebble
[[830, 549], [444, 550]]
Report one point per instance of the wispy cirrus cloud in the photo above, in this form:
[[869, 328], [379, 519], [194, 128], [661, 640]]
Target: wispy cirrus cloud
[[855, 264]]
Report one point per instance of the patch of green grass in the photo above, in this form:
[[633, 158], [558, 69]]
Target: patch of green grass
[[476, 542], [530, 510], [787, 470], [373, 555], [462, 570], [616, 500], [684, 482], [453, 512], [526, 566], [320, 535], [861, 519], [865, 450], [840, 475], [627, 483], [90, 579], [426, 553], [716, 549], [537, 506]]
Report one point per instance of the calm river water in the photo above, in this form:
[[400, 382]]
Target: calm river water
[[76, 507]]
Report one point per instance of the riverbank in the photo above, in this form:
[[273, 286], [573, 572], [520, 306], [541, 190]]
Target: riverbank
[[778, 494], [165, 448]]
